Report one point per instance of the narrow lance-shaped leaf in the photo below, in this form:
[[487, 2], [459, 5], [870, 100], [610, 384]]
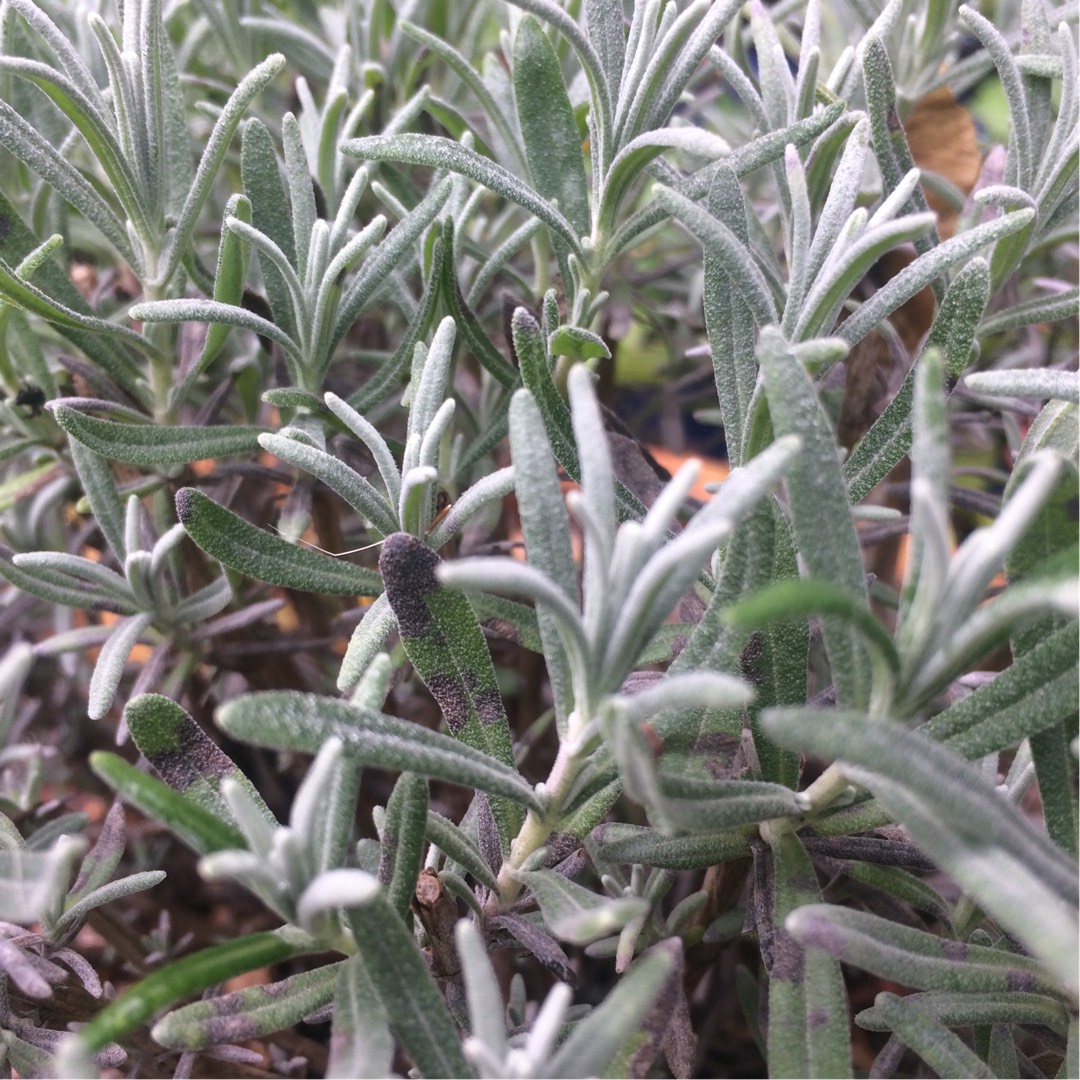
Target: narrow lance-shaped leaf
[[548, 127], [251, 1013], [361, 1044], [808, 1025], [403, 840], [151, 445], [201, 830], [401, 979], [440, 153], [182, 978], [823, 526], [912, 957], [447, 647], [943, 1050], [264, 556], [184, 756], [294, 721], [729, 319]]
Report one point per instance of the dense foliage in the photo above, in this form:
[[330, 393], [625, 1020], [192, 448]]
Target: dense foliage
[[573, 767]]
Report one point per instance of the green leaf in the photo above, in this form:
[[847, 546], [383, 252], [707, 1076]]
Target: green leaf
[[264, 556], [184, 978], [913, 957], [1037, 691], [184, 756], [251, 1013], [150, 445], [621, 843], [953, 331], [729, 319], [16, 242], [577, 914], [197, 827], [213, 155], [823, 526], [548, 127], [971, 1009], [439, 153], [403, 839], [444, 641], [361, 1044], [616, 1022], [940, 1048], [292, 721], [406, 988], [577, 343], [453, 842], [808, 1023], [955, 814]]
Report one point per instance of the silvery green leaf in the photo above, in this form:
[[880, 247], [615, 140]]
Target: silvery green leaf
[[486, 490], [294, 721], [1037, 690], [272, 255], [250, 550], [600, 1037], [370, 437], [926, 269], [151, 445], [577, 914], [402, 837], [110, 663], [456, 844], [58, 565], [206, 603], [943, 1050], [688, 690], [366, 642], [104, 894], [954, 332], [370, 503], [823, 527], [486, 1009], [808, 1018], [29, 878], [847, 265], [967, 1009], [652, 65], [548, 128], [604, 26], [254, 1012], [324, 808], [504, 576], [210, 311], [440, 153], [621, 843], [1030, 382], [689, 804], [590, 62], [498, 117], [723, 245], [361, 1044], [385, 258], [22, 140], [404, 985], [1011, 869], [912, 957], [986, 627], [270, 212], [185, 757], [1048, 307], [213, 155]]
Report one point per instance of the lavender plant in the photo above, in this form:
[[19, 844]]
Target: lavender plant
[[589, 733]]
